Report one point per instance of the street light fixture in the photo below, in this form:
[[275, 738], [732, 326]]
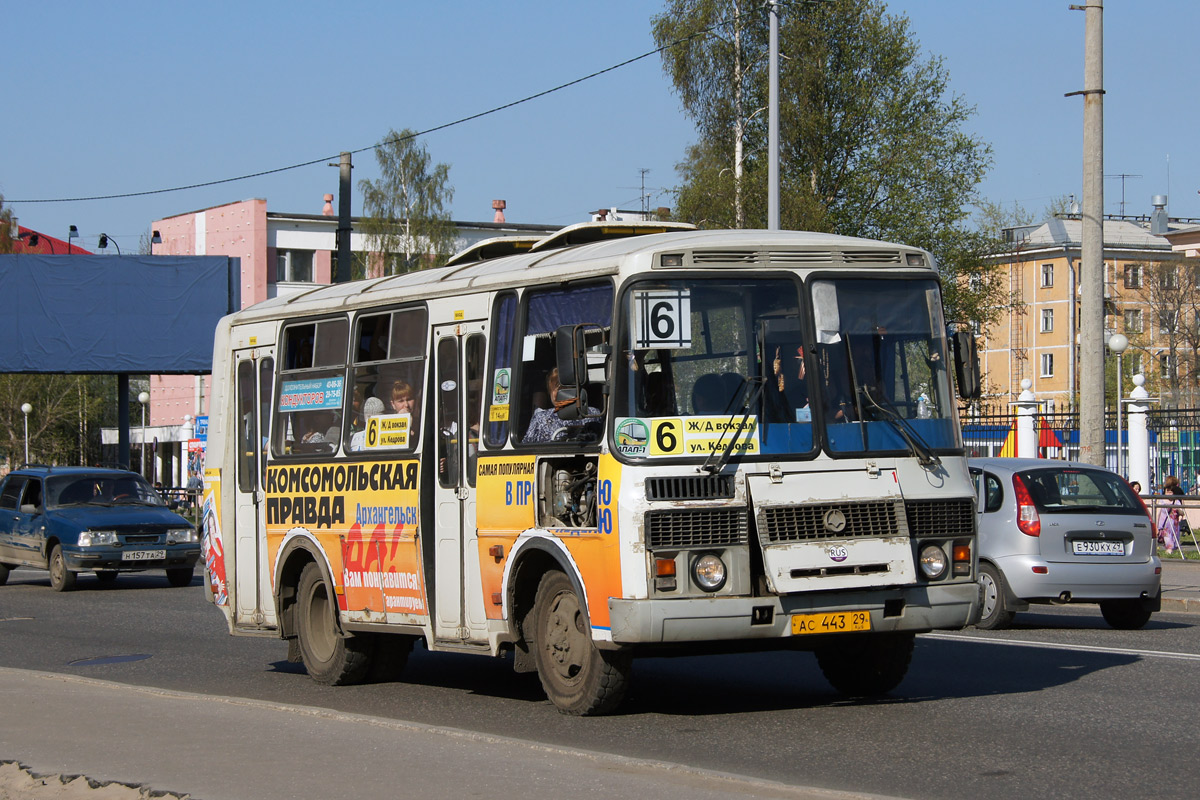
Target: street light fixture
[[1118, 343], [73, 233], [103, 245], [144, 398], [32, 240], [25, 409]]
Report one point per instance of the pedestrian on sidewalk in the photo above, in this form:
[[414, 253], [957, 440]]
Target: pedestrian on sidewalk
[[1170, 515]]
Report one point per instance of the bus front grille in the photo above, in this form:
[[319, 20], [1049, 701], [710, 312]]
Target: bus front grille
[[700, 527], [940, 517], [805, 523], [690, 487]]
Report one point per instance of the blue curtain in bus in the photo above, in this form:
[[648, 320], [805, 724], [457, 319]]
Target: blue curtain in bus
[[550, 310]]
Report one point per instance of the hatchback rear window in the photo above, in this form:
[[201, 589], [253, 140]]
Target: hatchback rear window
[[1074, 490]]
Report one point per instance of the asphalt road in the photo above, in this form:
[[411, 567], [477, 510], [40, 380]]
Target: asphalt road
[[1060, 705]]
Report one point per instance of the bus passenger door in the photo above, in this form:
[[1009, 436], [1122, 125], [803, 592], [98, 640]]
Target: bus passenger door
[[252, 581], [458, 379]]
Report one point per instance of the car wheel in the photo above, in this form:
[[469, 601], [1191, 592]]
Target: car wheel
[[1125, 615], [578, 677], [4, 570], [994, 613], [106, 575], [180, 577], [866, 665], [61, 578], [329, 657]]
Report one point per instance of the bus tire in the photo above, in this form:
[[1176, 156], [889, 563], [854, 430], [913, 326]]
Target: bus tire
[[1125, 615], [866, 665], [578, 678], [180, 577], [390, 657], [61, 578], [329, 657]]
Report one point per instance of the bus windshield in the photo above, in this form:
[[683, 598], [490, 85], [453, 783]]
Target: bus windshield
[[716, 366]]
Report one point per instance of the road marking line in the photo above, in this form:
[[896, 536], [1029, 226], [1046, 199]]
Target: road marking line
[[1125, 651]]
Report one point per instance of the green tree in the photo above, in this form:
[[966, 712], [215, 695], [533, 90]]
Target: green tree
[[6, 232], [872, 141], [406, 211]]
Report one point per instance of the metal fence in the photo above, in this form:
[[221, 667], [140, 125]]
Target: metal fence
[[1174, 440]]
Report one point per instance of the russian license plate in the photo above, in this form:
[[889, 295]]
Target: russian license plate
[[143, 555], [1097, 547], [831, 622]]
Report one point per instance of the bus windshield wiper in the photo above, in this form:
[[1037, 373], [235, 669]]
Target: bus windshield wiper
[[713, 467], [925, 455]]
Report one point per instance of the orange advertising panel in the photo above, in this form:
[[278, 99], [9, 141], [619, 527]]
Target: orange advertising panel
[[365, 515]]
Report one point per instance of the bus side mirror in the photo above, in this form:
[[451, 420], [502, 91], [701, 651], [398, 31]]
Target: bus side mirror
[[966, 364], [571, 360]]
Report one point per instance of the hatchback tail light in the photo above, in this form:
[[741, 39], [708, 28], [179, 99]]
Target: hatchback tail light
[[1028, 520]]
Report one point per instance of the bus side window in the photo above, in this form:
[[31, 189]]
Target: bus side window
[[548, 311], [308, 416], [388, 375], [500, 390]]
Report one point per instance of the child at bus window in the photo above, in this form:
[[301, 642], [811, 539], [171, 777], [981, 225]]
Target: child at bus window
[[403, 399]]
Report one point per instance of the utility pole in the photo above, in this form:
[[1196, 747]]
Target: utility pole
[[1091, 323], [773, 122], [344, 266]]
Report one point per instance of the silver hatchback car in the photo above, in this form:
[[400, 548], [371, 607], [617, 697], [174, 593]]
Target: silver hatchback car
[[1063, 532]]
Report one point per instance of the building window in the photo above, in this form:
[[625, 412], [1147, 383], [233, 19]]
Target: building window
[[1047, 320], [1133, 320], [1164, 365], [1133, 276], [1169, 278], [1047, 275], [1047, 365], [1168, 321], [294, 266]]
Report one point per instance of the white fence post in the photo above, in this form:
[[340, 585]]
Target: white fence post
[[1139, 439], [1027, 406]]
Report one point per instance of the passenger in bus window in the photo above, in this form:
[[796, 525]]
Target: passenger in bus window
[[404, 399], [372, 407], [323, 427], [546, 425]]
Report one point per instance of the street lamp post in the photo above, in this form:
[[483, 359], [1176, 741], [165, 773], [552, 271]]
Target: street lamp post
[[144, 398], [1118, 343], [25, 409], [103, 245], [73, 233]]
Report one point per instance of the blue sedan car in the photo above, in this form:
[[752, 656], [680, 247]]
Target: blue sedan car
[[83, 519]]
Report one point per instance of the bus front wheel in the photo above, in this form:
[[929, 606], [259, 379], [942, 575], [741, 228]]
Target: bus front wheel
[[866, 665], [329, 657], [578, 678]]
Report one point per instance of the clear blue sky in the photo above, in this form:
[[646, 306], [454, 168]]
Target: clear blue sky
[[127, 96]]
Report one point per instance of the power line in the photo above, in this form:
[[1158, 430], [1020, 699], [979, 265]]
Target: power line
[[702, 32]]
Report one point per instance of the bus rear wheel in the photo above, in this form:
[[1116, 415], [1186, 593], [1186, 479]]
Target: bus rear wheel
[[329, 657], [866, 665], [579, 678]]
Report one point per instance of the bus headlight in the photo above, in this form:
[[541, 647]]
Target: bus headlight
[[933, 561], [708, 572]]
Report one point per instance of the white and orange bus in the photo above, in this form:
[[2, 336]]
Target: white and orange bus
[[618, 440]]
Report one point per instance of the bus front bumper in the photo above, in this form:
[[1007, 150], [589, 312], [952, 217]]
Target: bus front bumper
[[948, 606]]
